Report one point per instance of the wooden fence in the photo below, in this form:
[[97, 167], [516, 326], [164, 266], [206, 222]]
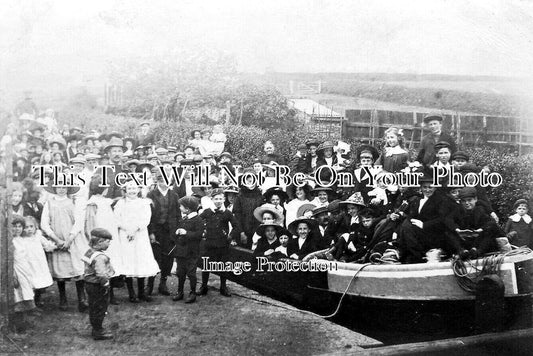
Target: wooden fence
[[370, 125]]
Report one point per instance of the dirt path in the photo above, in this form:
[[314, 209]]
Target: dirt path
[[246, 324]]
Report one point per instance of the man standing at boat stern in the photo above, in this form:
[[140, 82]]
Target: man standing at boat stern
[[423, 227], [426, 153]]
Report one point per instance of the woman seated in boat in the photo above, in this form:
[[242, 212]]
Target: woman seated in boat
[[470, 231], [277, 197], [268, 240], [301, 244], [323, 195], [303, 196], [266, 214], [351, 208]]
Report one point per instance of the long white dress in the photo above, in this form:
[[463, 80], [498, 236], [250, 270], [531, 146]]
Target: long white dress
[[105, 218], [34, 247], [133, 217], [24, 292]]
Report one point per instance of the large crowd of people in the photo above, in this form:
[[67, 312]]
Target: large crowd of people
[[101, 237]]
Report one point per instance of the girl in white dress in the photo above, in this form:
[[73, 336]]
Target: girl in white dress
[[60, 222], [36, 245], [133, 216], [22, 280], [98, 213]]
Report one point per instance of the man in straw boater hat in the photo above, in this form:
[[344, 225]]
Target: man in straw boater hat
[[114, 150], [426, 152], [162, 228]]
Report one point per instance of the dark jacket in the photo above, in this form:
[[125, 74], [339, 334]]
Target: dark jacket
[[426, 153], [188, 245], [171, 224], [307, 247], [243, 210], [263, 245], [217, 227], [432, 213]]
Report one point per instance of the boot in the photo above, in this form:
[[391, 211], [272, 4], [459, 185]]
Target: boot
[[82, 299], [62, 295], [223, 288], [37, 298], [131, 291], [191, 298], [112, 299], [140, 288], [205, 279], [101, 334], [163, 289], [150, 286], [178, 296]]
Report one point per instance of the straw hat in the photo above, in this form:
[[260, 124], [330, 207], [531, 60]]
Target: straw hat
[[354, 199], [294, 225], [259, 211], [115, 142]]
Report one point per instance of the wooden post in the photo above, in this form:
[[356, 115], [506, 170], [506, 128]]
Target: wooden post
[[228, 112], [459, 129], [6, 242]]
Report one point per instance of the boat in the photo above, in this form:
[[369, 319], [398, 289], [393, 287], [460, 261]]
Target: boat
[[404, 292]]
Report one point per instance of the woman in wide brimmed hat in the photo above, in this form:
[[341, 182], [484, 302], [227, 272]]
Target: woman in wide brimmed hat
[[58, 222], [230, 193], [302, 196], [303, 244], [277, 197], [325, 154], [268, 240], [57, 143], [322, 195]]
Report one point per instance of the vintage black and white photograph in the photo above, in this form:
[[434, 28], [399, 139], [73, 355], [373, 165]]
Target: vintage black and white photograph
[[285, 177]]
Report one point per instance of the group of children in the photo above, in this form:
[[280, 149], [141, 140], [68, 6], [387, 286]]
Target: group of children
[[100, 236]]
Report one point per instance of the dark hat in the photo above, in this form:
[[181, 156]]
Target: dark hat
[[51, 189], [75, 128], [74, 137], [334, 206], [294, 225], [305, 208], [441, 144], [324, 145], [461, 155], [179, 153], [144, 123], [187, 162], [261, 229], [520, 201], [367, 149], [468, 192], [101, 233], [226, 154], [59, 140], [433, 116], [114, 142], [87, 138], [426, 178], [275, 191], [102, 137], [216, 191], [260, 210], [232, 189], [136, 162], [354, 199], [189, 202], [320, 210], [312, 142], [194, 131], [368, 213], [114, 134], [322, 189], [190, 146]]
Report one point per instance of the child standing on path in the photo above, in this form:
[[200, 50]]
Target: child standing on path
[[98, 271]]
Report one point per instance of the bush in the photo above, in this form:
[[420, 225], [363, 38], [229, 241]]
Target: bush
[[517, 174]]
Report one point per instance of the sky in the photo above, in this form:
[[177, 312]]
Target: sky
[[53, 43]]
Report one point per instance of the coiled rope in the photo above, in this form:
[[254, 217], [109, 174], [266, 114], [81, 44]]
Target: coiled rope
[[469, 272]]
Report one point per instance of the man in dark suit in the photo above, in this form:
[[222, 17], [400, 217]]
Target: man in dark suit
[[114, 150], [426, 153], [423, 226], [302, 244], [162, 228]]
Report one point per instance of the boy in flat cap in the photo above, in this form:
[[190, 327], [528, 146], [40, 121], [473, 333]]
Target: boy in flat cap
[[426, 153], [470, 230], [98, 272]]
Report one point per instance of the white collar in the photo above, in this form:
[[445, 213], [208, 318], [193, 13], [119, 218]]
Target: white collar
[[389, 151], [516, 218], [163, 192], [214, 209], [191, 215]]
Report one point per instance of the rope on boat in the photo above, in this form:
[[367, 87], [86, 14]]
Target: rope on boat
[[469, 272], [343, 294]]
